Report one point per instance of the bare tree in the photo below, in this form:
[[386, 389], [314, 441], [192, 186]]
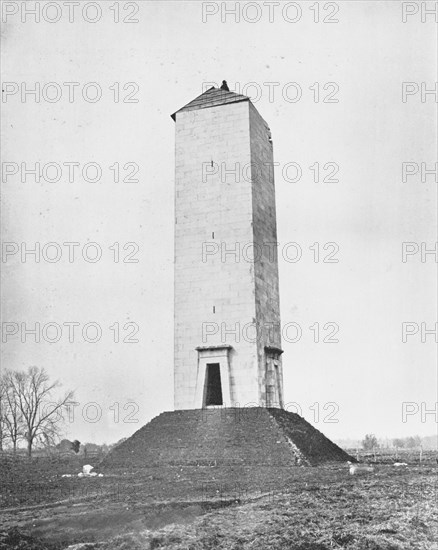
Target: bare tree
[[370, 442], [2, 412], [41, 414], [11, 413]]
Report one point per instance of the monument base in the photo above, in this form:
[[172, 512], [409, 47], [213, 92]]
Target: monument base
[[253, 436]]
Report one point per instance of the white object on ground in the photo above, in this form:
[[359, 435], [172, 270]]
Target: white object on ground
[[400, 464], [360, 468], [86, 472]]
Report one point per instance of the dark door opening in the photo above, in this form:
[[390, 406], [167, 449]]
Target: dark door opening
[[213, 387]]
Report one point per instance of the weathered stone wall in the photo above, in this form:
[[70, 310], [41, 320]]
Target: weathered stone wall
[[265, 235], [224, 208]]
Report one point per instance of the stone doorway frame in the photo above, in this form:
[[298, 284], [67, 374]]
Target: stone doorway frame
[[273, 370], [213, 354]]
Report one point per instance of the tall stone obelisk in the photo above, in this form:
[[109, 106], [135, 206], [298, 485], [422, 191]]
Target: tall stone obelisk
[[227, 313]]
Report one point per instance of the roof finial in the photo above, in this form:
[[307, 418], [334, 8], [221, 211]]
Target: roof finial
[[225, 86]]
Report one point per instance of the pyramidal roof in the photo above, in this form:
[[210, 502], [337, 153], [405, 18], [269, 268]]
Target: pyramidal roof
[[212, 98]]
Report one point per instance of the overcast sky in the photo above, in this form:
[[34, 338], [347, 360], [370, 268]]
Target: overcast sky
[[169, 55]]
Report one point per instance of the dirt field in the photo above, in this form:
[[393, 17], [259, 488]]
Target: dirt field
[[208, 507]]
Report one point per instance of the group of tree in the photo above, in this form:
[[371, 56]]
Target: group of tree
[[370, 442], [30, 410], [412, 442]]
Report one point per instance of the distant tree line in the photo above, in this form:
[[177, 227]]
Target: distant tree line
[[29, 409], [412, 442], [370, 442], [93, 450]]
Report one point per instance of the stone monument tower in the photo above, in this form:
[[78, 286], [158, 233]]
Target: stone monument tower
[[227, 315], [227, 320]]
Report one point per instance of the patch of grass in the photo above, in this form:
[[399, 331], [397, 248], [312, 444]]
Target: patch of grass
[[321, 508], [15, 539]]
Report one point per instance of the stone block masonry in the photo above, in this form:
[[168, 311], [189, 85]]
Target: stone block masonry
[[231, 204]]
